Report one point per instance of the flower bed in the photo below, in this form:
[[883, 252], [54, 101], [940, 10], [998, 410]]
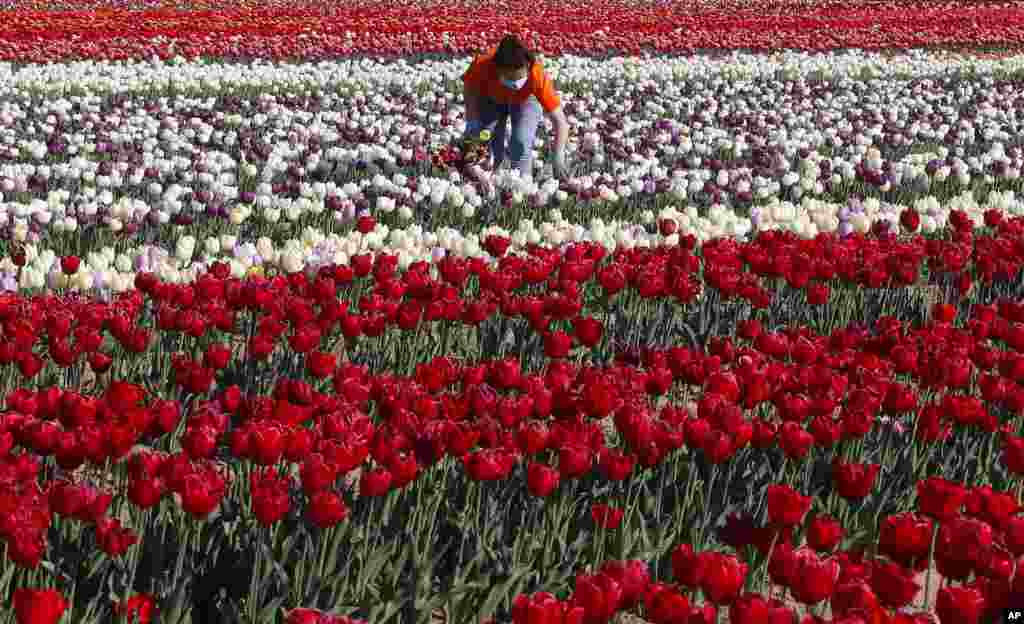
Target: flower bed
[[758, 356], [317, 31]]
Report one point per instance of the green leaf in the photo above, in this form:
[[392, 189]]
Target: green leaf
[[286, 545], [465, 588], [98, 565], [385, 611], [179, 610], [268, 614], [280, 575], [372, 567], [504, 591]]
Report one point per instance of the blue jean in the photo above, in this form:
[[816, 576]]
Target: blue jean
[[525, 119]]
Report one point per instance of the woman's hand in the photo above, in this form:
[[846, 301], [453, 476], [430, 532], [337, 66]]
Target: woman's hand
[[558, 165], [473, 128], [561, 128]]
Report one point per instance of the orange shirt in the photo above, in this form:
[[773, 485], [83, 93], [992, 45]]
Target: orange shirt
[[482, 77]]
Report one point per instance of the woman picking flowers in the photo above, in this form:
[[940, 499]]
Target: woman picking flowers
[[509, 83]]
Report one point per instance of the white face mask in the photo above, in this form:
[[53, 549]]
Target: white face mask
[[515, 85]]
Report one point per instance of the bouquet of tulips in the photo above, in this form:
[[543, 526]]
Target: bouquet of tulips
[[463, 153]]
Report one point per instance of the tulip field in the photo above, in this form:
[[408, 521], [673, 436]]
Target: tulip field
[[277, 348]]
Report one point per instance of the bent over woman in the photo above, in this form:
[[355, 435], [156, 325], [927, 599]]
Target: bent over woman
[[508, 84]]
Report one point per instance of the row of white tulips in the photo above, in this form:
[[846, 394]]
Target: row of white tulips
[[185, 156], [463, 197]]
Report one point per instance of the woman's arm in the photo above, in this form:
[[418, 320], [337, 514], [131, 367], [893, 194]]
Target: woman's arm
[[472, 101], [561, 127]]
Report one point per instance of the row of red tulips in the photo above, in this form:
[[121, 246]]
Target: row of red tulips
[[423, 422], [978, 550], [164, 7], [552, 28], [823, 392], [878, 406], [975, 536], [554, 285]]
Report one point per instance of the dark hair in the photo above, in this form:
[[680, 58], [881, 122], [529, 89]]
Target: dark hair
[[512, 54]]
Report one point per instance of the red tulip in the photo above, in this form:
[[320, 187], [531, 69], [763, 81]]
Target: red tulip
[[25, 546], [910, 219], [305, 339], [824, 533], [505, 374], [612, 278], [320, 364], [541, 480], [267, 443], [814, 579], [704, 614], [313, 616], [606, 516], [366, 224], [854, 597], [825, 430], [960, 605], [533, 437], [100, 362], [112, 538], [202, 492], [1013, 535], [786, 506], [686, 566], [317, 474], [818, 294], [139, 609], [905, 537], [69, 264], [199, 442], [854, 481], [779, 613], [575, 461], [217, 356], [722, 577], [665, 605], [404, 469], [38, 606], [616, 465], [539, 608], [146, 492], [795, 441], [1013, 453], [326, 509], [749, 609], [939, 498], [944, 312], [893, 584], [632, 576], [739, 531], [963, 545], [489, 465], [994, 507], [599, 595], [588, 330], [270, 496], [375, 482], [557, 344]]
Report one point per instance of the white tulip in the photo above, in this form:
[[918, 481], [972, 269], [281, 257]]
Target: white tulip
[[185, 248]]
